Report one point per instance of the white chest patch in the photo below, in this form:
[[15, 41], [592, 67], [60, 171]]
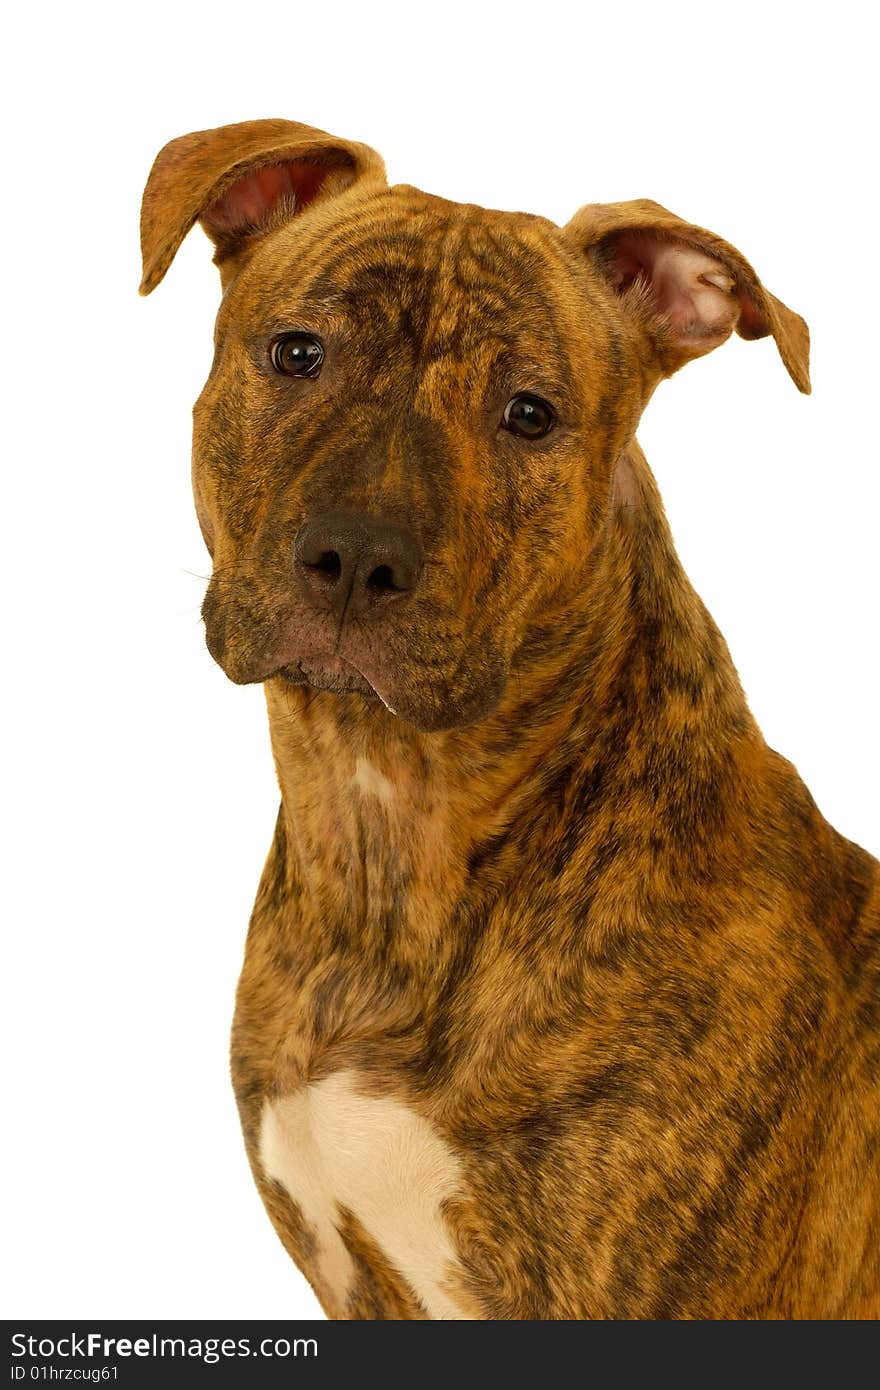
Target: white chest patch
[[373, 782], [330, 1146]]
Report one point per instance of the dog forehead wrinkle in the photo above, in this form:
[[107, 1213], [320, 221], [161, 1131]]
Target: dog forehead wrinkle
[[459, 256]]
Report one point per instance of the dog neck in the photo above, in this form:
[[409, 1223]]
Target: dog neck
[[634, 717]]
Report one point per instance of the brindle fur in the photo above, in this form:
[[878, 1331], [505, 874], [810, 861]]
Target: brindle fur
[[599, 936]]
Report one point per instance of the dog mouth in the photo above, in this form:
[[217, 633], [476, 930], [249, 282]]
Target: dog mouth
[[331, 674], [427, 689]]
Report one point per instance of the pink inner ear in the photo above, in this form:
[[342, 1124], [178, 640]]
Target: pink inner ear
[[248, 202], [696, 293]]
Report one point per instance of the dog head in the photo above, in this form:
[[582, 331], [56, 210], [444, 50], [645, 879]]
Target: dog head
[[405, 451]]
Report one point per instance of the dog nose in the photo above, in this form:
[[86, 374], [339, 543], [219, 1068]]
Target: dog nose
[[347, 562]]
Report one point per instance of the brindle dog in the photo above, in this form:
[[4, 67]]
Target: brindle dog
[[560, 999]]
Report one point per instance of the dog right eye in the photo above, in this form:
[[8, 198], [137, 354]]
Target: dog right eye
[[528, 416], [297, 354]]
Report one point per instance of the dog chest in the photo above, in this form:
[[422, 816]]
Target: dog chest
[[331, 1147]]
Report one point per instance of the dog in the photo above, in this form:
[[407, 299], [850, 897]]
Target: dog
[[560, 998]]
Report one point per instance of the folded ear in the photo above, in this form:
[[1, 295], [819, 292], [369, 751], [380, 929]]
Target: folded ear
[[685, 285], [234, 179]]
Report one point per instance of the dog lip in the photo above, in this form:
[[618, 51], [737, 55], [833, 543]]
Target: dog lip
[[355, 669], [292, 673], [328, 673]]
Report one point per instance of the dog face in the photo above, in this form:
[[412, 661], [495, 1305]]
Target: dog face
[[404, 456]]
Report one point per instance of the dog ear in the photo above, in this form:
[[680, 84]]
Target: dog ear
[[685, 285], [235, 178]]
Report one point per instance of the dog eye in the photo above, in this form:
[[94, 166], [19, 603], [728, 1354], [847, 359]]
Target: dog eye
[[297, 354], [528, 416]]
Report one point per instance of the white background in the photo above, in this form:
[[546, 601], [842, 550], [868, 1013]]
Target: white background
[[140, 796]]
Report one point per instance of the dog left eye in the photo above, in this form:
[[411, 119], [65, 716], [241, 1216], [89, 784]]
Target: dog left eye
[[297, 354], [528, 416]]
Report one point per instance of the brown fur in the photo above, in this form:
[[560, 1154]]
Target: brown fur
[[598, 933]]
